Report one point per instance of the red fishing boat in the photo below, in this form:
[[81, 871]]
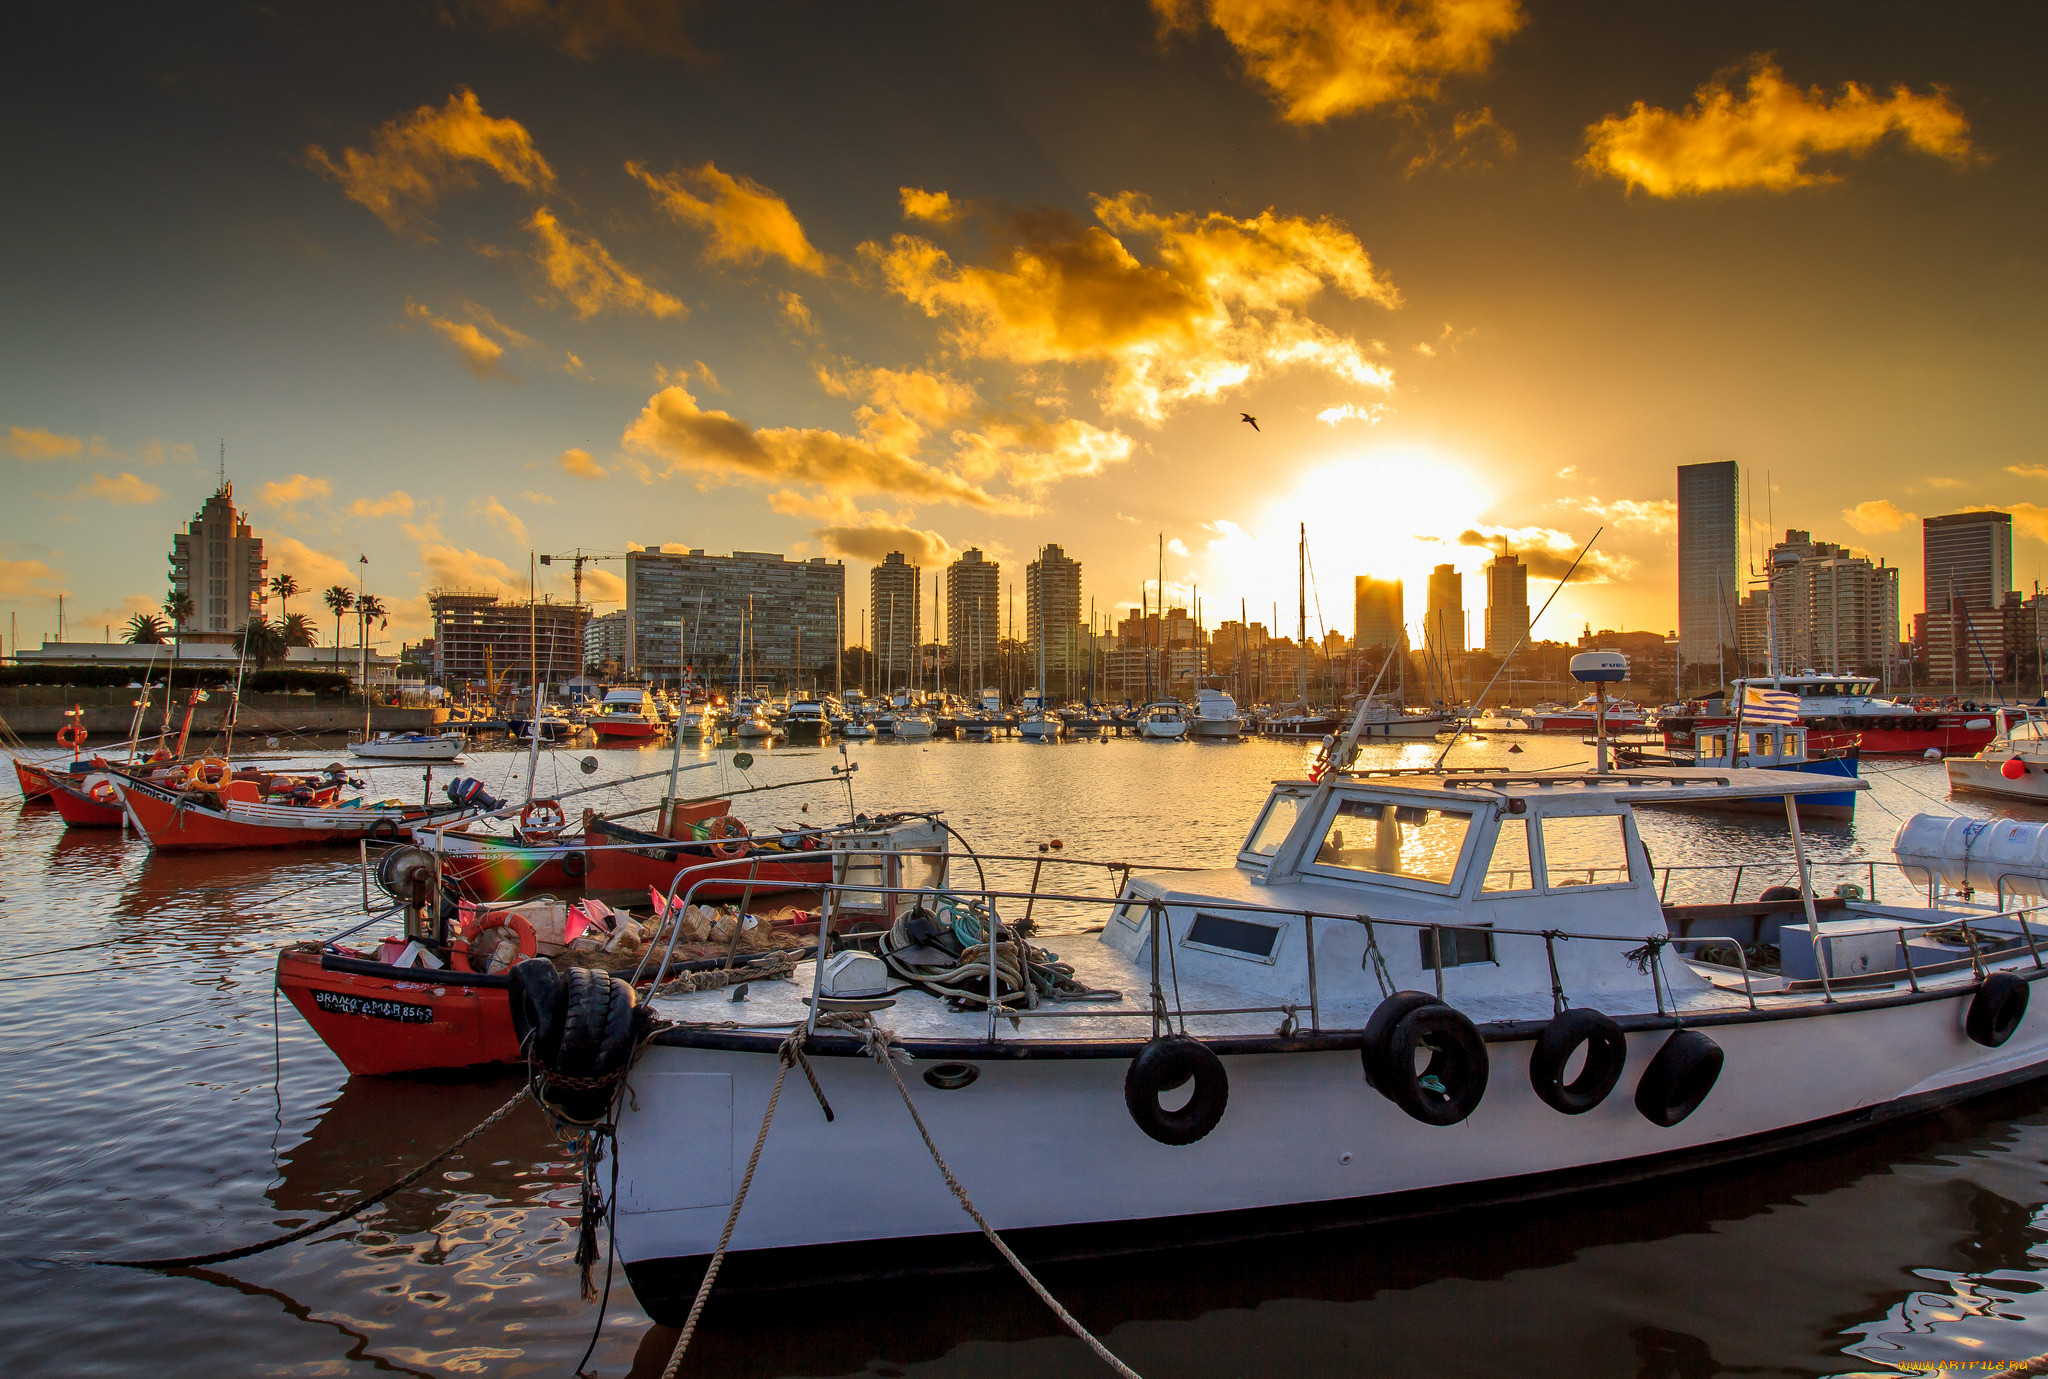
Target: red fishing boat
[[379, 1018], [35, 777], [701, 834], [625, 714], [536, 855], [87, 800], [217, 807]]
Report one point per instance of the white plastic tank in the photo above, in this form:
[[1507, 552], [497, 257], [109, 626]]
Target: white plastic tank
[[1980, 853]]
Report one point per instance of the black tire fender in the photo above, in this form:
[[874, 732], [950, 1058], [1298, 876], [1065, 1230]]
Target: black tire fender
[[1678, 1078], [537, 1001], [574, 864], [1373, 1045], [586, 1010], [1997, 1009], [1449, 1086], [384, 830], [1606, 1055], [1165, 1064], [1780, 893]]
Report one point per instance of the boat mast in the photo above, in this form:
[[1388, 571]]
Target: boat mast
[[533, 673], [1301, 592], [362, 563]]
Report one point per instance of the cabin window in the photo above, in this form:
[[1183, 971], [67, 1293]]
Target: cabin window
[[1792, 744], [1274, 825], [1712, 745], [1412, 841], [1238, 937], [1510, 870], [1455, 947], [1584, 850], [1760, 744]]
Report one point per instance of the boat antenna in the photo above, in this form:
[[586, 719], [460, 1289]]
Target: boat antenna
[[1459, 731]]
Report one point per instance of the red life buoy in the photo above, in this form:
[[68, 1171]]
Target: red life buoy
[[542, 819], [478, 952], [72, 735], [726, 826]]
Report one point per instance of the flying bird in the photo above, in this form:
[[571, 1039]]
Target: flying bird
[[1248, 419]]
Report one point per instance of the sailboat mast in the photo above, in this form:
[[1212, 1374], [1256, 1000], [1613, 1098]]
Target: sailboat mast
[[533, 673], [1301, 592]]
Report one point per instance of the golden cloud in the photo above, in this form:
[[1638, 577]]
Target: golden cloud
[[1473, 143], [586, 28], [397, 503], [22, 580], [717, 446], [2030, 519], [1877, 515], [287, 494], [1349, 411], [480, 353], [487, 508], [938, 208], [578, 462], [581, 269], [1765, 139], [459, 567], [1549, 553], [743, 222], [414, 158], [1030, 450], [1319, 59], [2027, 471], [797, 314], [313, 569], [874, 542], [1654, 515], [602, 586], [1220, 302], [119, 488], [34, 443]]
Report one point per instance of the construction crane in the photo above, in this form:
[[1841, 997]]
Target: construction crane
[[577, 560]]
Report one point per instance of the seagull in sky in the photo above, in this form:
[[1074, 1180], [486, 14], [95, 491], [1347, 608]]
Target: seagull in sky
[[1248, 419]]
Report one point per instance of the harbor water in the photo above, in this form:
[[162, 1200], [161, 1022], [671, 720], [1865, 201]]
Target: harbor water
[[156, 1099]]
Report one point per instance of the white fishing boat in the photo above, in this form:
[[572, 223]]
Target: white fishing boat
[[2014, 764], [1389, 722], [1165, 721], [1216, 715], [409, 747], [1490, 948], [915, 725]]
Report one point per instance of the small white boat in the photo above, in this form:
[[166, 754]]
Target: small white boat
[[2013, 764], [857, 729], [1165, 721], [915, 726], [755, 727], [1216, 715], [1040, 727], [409, 747]]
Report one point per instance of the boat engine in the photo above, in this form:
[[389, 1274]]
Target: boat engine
[[469, 792]]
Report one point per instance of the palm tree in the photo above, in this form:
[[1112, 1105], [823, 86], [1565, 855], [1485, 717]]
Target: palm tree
[[286, 588], [263, 642], [298, 630], [146, 629], [339, 598], [370, 608]]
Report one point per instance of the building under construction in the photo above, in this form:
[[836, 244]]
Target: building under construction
[[480, 640]]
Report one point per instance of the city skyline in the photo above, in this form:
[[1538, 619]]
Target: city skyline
[[524, 291]]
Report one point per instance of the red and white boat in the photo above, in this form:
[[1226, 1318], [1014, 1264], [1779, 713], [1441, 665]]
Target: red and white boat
[[87, 800], [630, 859], [625, 713], [1622, 716], [231, 811], [1905, 726], [536, 854]]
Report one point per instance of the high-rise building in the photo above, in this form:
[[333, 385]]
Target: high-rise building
[[1833, 611], [479, 640], [893, 590], [218, 563], [692, 610], [1376, 613], [1968, 556], [1507, 603], [1443, 627], [974, 617], [1052, 609], [604, 640], [1709, 546]]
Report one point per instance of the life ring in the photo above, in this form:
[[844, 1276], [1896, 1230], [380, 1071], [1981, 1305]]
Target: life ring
[[542, 819], [574, 864], [478, 955], [100, 790], [72, 735], [384, 830], [207, 773], [1606, 1054], [1165, 1064], [1996, 1010], [726, 826], [1450, 1085], [1925, 704], [1679, 1078]]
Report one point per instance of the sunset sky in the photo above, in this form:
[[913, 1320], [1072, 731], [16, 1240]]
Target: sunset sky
[[459, 281]]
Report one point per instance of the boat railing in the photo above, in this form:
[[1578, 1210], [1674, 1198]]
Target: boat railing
[[1645, 950], [1690, 874]]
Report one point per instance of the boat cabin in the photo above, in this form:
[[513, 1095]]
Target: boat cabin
[[1758, 746]]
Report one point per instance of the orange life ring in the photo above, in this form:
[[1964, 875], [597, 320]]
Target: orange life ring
[[476, 955], [551, 819], [71, 735], [726, 826], [207, 773]]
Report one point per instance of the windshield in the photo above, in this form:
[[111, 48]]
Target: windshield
[[1411, 841], [1274, 825]]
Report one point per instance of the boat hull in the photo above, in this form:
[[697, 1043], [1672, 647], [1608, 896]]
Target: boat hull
[[79, 809], [1049, 1152], [379, 1020], [1219, 727], [171, 823], [34, 780], [656, 865], [1836, 804], [432, 749], [1987, 778], [1907, 734], [629, 730], [492, 869]]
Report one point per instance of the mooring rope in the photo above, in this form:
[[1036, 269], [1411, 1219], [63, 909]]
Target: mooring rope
[[356, 1209]]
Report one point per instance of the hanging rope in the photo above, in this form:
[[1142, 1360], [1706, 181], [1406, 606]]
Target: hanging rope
[[1377, 961]]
